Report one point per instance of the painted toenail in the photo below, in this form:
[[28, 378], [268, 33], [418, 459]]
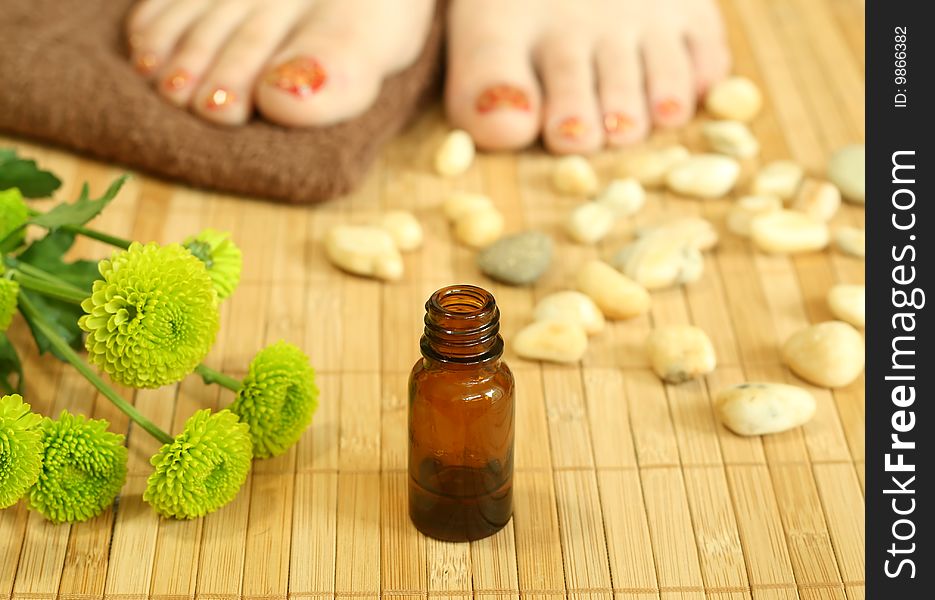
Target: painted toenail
[[572, 128], [668, 108], [301, 76], [220, 98], [617, 122], [145, 63], [502, 96], [177, 80]]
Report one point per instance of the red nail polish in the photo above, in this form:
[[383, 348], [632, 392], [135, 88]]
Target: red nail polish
[[502, 96], [668, 107], [177, 80], [572, 128], [301, 76], [220, 98], [145, 63], [618, 122]]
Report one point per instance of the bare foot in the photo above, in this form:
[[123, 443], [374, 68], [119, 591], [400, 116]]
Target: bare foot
[[608, 69], [299, 62]]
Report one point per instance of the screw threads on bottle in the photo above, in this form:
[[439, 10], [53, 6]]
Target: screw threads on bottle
[[462, 324]]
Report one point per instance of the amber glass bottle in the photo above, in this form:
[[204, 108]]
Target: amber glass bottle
[[461, 420]]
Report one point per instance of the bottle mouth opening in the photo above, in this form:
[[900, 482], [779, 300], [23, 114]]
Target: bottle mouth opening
[[462, 302]]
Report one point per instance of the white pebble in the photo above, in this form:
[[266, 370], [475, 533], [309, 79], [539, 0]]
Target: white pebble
[[761, 408], [590, 222], [704, 176], [368, 251], [850, 240], [735, 98], [479, 228], [787, 232], [680, 353], [846, 170], [456, 154], [747, 208], [574, 175], [732, 138], [650, 167], [623, 196], [829, 354], [573, 307], [848, 303], [780, 178], [660, 261], [459, 204], [553, 341], [618, 296], [694, 231], [818, 199], [404, 228]]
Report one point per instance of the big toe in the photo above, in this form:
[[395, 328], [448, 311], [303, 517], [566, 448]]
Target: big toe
[[491, 93]]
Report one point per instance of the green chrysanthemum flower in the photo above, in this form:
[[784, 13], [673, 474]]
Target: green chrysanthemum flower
[[203, 469], [20, 449], [153, 317], [9, 290], [277, 399], [13, 213], [83, 468], [221, 257]]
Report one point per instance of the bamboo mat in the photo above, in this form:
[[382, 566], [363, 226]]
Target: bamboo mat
[[624, 487]]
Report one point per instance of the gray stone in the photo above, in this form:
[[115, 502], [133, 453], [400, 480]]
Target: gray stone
[[518, 259]]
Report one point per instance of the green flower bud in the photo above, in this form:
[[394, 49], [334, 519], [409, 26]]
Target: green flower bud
[[13, 213], [278, 398], [20, 449], [9, 290], [203, 469], [221, 257], [83, 468], [153, 317]]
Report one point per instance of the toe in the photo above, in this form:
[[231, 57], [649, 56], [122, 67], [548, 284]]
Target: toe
[[197, 51], [331, 68], [491, 92], [141, 15], [225, 94], [491, 89], [571, 117], [317, 80], [669, 79], [622, 93], [154, 36], [710, 57]]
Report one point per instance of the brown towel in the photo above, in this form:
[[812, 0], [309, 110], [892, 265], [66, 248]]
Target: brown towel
[[66, 79]]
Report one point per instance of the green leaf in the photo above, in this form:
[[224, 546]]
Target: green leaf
[[47, 254], [24, 174], [10, 365], [81, 211], [61, 316]]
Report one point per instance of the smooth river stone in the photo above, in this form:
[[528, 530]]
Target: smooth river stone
[[518, 259], [761, 408], [846, 170]]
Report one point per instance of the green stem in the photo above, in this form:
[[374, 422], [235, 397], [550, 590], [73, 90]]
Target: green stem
[[90, 233], [47, 287], [98, 235], [66, 351], [210, 376]]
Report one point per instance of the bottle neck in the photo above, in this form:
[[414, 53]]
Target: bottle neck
[[462, 326]]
